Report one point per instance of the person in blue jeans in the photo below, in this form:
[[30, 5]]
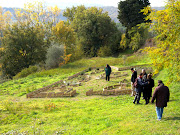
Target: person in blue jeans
[[161, 95]]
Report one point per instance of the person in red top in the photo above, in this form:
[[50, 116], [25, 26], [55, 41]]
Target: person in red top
[[161, 94]]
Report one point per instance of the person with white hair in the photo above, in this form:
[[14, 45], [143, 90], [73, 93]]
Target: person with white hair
[[161, 95]]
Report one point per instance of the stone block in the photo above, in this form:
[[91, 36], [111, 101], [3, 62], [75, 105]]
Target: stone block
[[110, 87], [89, 92], [92, 72], [73, 93], [97, 92]]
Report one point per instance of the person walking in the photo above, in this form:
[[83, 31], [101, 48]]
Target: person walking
[[133, 78], [108, 72], [148, 90], [138, 88], [161, 95]]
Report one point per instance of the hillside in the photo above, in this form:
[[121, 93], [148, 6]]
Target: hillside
[[83, 114], [112, 11]]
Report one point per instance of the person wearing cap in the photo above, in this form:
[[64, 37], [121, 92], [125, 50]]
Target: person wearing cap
[[133, 77], [161, 95]]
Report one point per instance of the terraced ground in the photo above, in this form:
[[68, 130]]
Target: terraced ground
[[106, 115]]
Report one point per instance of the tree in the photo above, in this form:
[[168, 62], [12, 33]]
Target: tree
[[131, 17], [135, 41], [64, 34], [166, 25], [54, 56], [93, 28], [5, 18], [130, 12], [23, 45]]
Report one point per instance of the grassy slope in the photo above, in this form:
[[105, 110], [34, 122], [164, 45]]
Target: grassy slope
[[81, 114]]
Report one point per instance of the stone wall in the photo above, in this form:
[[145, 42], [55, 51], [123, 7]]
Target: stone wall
[[44, 89], [53, 94], [129, 67], [114, 92]]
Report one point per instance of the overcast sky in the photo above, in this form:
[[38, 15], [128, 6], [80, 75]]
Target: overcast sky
[[69, 3]]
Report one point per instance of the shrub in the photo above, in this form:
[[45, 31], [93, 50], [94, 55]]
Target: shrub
[[54, 56], [90, 69], [82, 73], [26, 71], [104, 51]]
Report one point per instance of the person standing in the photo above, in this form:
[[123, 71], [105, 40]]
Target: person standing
[[138, 88], [144, 79], [161, 95], [108, 72], [148, 91], [133, 78]]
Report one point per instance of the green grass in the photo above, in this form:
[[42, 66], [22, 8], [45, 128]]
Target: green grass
[[101, 115]]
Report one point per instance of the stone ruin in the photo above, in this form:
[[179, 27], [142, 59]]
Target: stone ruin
[[54, 90], [63, 88], [119, 89], [113, 75]]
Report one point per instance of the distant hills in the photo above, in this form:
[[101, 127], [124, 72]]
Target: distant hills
[[112, 11]]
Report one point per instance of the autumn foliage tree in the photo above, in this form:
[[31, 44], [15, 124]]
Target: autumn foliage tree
[[25, 42], [166, 25]]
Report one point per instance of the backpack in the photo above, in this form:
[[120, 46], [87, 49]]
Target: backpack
[[136, 83]]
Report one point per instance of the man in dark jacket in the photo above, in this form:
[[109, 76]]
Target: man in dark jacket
[[139, 88], [133, 77], [161, 94]]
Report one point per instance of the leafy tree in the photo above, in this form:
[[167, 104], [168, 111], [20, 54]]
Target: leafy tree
[[93, 28], [23, 45], [135, 41], [64, 34], [5, 18], [124, 42], [54, 56], [130, 12], [166, 25], [133, 19]]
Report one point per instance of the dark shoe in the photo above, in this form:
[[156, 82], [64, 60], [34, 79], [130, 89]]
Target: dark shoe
[[133, 102]]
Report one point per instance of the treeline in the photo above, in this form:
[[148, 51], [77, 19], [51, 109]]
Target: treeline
[[38, 37]]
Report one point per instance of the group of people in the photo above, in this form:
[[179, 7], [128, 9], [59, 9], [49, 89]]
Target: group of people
[[144, 83]]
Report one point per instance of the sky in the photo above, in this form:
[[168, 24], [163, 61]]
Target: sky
[[62, 4]]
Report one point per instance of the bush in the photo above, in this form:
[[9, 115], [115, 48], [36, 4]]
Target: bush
[[82, 73], [54, 56], [89, 69], [104, 51], [26, 71]]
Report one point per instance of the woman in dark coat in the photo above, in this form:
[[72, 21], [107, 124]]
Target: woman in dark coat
[[108, 72], [148, 90]]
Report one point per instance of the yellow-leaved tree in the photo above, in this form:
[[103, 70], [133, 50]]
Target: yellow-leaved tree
[[166, 25], [64, 35]]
